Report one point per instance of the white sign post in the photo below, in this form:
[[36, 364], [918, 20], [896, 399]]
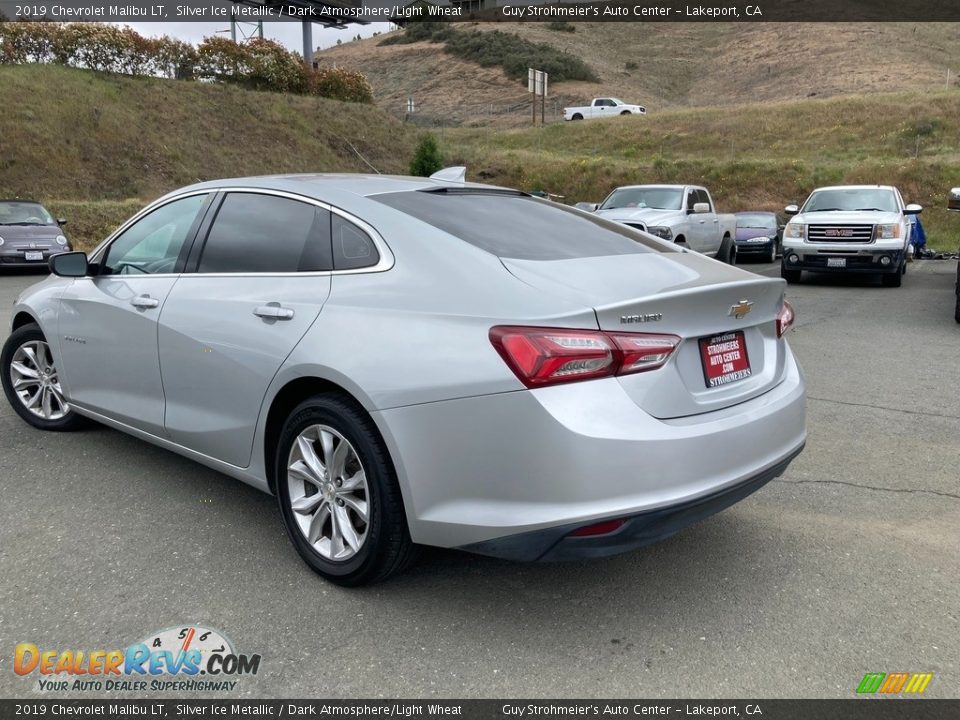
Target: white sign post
[[537, 86]]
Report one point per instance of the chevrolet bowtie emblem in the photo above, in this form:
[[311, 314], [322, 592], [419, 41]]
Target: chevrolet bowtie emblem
[[741, 309]]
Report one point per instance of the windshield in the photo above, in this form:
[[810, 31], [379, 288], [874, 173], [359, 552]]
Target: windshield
[[24, 213], [659, 198], [756, 220], [851, 199]]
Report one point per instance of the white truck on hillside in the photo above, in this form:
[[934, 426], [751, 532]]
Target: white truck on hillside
[[682, 214], [602, 107]]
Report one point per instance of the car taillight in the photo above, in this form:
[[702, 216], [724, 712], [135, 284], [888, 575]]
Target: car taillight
[[784, 318], [546, 356]]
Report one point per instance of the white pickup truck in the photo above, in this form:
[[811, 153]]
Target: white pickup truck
[[683, 214], [602, 107]]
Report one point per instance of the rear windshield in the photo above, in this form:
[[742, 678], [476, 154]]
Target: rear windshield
[[517, 226]]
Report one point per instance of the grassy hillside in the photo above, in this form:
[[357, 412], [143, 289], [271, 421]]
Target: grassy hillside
[[75, 135], [666, 65], [95, 148], [750, 156]]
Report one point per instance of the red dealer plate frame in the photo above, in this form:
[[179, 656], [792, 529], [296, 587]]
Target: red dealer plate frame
[[724, 359]]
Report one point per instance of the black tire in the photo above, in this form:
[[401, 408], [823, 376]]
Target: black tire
[[728, 251], [626, 112], [894, 279], [956, 310], [577, 116], [18, 338], [791, 276], [772, 257], [387, 548]]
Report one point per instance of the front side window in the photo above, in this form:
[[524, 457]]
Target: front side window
[[153, 243], [256, 233]]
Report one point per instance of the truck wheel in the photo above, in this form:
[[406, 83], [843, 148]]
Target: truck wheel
[[577, 116], [956, 310], [894, 279], [625, 112], [728, 251], [791, 276]]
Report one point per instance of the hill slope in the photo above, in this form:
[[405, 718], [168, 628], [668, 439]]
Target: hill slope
[[78, 134], [666, 65]]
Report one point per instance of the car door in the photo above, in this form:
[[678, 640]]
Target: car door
[[711, 224], [261, 277], [108, 322]]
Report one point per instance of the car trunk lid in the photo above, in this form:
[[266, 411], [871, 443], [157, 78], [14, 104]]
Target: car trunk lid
[[684, 294]]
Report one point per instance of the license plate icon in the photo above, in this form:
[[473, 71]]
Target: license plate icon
[[33, 255], [724, 358], [836, 262]]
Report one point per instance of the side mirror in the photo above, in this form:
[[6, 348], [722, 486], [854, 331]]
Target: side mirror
[[61, 221], [953, 200], [587, 206], [791, 209], [71, 264], [913, 209], [701, 208]]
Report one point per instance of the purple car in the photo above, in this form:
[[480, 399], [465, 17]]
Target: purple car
[[758, 234], [29, 235]]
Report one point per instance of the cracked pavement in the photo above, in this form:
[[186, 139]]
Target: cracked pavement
[[846, 564]]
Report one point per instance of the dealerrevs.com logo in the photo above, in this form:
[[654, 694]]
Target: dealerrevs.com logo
[[188, 658]]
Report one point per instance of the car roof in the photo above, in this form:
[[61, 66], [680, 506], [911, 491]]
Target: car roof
[[320, 184]]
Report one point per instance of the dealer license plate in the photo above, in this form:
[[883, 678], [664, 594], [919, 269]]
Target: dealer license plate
[[724, 358], [33, 255], [836, 262]]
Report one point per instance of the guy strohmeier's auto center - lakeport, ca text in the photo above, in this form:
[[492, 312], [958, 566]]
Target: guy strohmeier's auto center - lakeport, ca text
[[58, 11]]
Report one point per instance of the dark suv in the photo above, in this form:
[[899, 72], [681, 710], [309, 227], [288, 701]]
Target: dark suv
[[29, 235]]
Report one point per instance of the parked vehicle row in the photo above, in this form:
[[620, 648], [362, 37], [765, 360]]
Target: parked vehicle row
[[407, 361]]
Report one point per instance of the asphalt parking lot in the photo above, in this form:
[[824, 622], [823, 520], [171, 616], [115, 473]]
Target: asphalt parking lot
[[847, 564]]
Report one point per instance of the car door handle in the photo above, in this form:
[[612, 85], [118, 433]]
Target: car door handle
[[273, 311], [144, 302]]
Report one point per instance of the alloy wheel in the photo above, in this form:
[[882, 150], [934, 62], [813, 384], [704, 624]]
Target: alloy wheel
[[328, 492], [35, 381]]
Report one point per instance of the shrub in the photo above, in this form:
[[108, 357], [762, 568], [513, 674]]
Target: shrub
[[561, 26], [260, 64], [427, 158], [495, 48]]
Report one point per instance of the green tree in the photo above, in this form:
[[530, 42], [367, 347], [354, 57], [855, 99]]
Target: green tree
[[427, 158]]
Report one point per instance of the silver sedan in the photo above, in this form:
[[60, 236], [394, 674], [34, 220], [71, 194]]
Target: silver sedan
[[410, 361]]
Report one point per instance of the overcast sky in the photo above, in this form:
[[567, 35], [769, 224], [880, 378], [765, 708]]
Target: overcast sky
[[288, 33]]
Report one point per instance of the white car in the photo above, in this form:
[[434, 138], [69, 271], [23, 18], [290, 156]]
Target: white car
[[849, 229], [602, 107]]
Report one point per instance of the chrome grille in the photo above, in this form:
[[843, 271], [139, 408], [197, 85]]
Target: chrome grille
[[840, 233]]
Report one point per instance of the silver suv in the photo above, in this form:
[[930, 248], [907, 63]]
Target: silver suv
[[849, 229]]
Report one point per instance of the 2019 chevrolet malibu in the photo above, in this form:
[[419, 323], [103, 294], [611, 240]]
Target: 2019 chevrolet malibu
[[407, 361]]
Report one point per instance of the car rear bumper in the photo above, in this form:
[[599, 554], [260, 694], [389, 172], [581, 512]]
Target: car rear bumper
[[557, 543], [496, 472]]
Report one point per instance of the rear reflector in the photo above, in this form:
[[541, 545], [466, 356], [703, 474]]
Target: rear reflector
[[546, 356], [602, 528], [784, 318]]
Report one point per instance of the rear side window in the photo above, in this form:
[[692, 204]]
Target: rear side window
[[352, 247], [517, 226], [255, 233]]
